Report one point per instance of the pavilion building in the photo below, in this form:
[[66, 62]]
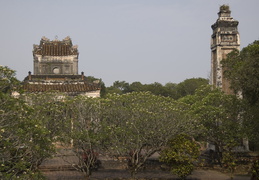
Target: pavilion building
[[55, 66]]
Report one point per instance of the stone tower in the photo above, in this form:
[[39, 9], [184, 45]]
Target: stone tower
[[224, 39], [55, 57]]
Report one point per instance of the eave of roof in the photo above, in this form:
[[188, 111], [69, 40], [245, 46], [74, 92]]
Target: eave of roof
[[34, 88]]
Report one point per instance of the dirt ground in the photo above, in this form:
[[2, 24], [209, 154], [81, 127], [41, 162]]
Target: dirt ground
[[57, 169], [115, 174]]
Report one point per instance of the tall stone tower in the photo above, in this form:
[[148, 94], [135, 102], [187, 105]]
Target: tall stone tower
[[224, 39], [55, 57]]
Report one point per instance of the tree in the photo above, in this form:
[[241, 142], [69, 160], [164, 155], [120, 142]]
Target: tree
[[50, 108], [139, 124], [171, 87], [188, 86], [255, 170], [24, 140], [137, 87], [242, 70], [220, 118], [8, 80], [84, 135], [172, 90], [118, 87], [180, 153], [94, 80], [158, 89]]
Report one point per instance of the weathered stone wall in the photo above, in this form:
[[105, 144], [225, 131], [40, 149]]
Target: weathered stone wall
[[55, 57], [225, 38], [55, 65]]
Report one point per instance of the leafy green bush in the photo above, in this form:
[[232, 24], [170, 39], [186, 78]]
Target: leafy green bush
[[181, 153], [255, 170]]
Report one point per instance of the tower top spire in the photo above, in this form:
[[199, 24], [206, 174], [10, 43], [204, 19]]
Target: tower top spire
[[224, 19], [224, 11]]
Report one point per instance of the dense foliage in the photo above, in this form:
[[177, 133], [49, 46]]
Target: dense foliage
[[219, 118], [139, 124], [242, 70], [7, 80], [175, 91], [25, 141], [181, 153], [133, 121], [84, 136]]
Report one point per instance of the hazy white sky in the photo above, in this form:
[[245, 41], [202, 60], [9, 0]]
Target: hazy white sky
[[126, 40]]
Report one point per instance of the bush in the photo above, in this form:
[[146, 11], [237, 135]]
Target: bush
[[255, 170], [181, 153]]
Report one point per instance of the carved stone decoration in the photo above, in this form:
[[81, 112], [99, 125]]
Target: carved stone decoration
[[55, 53], [224, 39]]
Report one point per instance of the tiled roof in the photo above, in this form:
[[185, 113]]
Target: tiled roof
[[75, 88], [55, 47], [54, 77], [60, 83]]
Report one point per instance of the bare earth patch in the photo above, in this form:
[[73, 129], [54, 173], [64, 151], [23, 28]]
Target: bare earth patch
[[113, 174]]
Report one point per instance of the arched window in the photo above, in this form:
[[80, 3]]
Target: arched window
[[56, 70]]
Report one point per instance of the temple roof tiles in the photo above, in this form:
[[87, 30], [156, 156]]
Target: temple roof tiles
[[60, 83], [75, 88], [55, 47]]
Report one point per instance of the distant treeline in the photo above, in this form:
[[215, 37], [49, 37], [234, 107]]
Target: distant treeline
[[176, 91]]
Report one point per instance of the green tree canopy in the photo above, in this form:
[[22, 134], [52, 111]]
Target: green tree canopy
[[173, 90], [84, 135], [188, 86], [181, 153], [219, 117], [24, 140], [118, 87], [242, 70], [139, 124], [8, 80]]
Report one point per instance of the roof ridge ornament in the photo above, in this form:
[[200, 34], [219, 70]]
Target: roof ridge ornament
[[56, 38], [67, 38], [44, 38]]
